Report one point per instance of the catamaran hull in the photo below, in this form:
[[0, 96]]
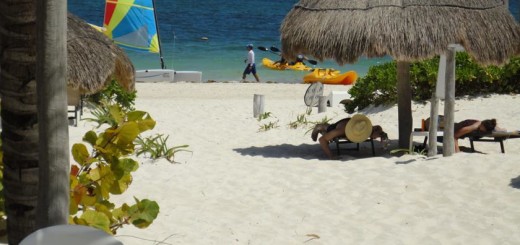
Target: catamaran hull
[[167, 75], [188, 76], [155, 75]]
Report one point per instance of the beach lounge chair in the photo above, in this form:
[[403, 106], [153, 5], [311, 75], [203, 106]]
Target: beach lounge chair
[[419, 132], [423, 132], [74, 105], [495, 136], [476, 136], [339, 141]]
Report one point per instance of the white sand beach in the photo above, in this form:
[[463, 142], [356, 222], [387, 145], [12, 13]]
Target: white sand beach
[[238, 185]]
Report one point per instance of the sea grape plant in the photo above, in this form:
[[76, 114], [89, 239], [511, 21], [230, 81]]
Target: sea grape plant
[[106, 170]]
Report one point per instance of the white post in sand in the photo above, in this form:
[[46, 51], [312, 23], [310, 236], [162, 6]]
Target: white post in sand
[[322, 103], [434, 111], [258, 105]]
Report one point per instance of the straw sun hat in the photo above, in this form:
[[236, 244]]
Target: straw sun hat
[[358, 128]]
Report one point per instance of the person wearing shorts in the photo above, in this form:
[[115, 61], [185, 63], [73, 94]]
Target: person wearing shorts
[[250, 61]]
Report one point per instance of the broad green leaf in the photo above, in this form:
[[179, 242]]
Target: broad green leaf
[[116, 113], [104, 207], [97, 220], [144, 213], [90, 137], [126, 165], [121, 185], [146, 124], [105, 184], [127, 133], [106, 136], [88, 201], [121, 213], [143, 119], [80, 154], [94, 174], [136, 115]]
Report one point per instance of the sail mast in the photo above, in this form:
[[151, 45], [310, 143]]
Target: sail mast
[[158, 36]]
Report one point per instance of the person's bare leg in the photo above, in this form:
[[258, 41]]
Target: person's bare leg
[[457, 149], [256, 77]]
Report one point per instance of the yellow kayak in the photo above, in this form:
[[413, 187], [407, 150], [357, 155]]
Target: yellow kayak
[[331, 76], [299, 66]]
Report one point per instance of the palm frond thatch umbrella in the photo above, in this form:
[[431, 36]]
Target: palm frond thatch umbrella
[[406, 30], [94, 60]]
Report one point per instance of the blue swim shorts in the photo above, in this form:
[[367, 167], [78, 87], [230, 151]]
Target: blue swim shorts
[[252, 70]]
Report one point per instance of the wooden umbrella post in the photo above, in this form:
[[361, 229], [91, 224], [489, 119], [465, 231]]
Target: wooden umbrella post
[[449, 104]]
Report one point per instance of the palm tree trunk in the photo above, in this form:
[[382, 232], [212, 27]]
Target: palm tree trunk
[[53, 199], [19, 115]]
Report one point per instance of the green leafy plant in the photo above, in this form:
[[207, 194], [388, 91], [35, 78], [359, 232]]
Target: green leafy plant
[[378, 86], [156, 147], [105, 112], [268, 126], [264, 116], [114, 93], [105, 171], [300, 121]]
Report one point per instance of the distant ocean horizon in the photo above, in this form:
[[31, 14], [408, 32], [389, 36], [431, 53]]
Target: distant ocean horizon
[[228, 25]]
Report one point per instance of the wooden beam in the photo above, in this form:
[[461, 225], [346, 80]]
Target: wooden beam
[[404, 104], [449, 104]]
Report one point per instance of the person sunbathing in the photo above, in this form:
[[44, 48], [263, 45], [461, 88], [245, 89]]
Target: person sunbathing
[[331, 131], [462, 128]]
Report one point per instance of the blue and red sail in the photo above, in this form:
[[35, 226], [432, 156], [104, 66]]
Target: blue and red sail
[[132, 24]]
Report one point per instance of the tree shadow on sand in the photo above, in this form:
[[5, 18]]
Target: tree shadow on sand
[[304, 151]]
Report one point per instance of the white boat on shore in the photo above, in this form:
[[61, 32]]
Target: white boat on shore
[[167, 75]]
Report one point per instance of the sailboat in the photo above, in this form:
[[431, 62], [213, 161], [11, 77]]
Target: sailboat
[[132, 24]]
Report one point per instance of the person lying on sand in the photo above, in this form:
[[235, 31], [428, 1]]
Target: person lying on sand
[[331, 131]]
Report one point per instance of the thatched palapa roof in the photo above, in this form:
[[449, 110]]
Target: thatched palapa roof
[[407, 30], [94, 60]]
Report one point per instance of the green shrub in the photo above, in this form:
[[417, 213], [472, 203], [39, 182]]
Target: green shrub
[[114, 93], [379, 86]]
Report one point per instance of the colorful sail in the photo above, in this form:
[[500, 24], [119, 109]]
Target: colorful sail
[[132, 24]]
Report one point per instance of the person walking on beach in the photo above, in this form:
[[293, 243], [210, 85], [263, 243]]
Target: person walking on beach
[[250, 61]]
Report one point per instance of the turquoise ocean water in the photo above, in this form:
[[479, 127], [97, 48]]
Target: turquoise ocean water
[[229, 26]]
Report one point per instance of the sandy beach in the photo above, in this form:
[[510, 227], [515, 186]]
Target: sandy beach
[[240, 185]]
